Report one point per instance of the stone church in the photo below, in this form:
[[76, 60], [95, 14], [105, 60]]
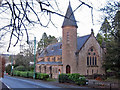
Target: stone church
[[74, 54]]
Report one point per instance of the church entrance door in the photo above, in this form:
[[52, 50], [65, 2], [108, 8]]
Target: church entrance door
[[68, 69]]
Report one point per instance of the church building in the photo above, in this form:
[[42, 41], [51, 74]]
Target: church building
[[74, 54]]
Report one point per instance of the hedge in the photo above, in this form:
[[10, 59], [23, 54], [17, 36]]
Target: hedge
[[42, 76], [63, 78], [16, 73], [24, 74], [72, 78], [28, 74]]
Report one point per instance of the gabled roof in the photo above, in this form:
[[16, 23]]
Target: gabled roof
[[81, 41], [69, 18], [54, 49]]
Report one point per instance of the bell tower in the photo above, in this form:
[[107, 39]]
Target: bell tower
[[69, 42]]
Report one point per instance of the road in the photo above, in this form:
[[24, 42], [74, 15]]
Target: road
[[13, 82], [17, 82]]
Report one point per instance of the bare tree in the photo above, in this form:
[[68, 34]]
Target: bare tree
[[21, 12]]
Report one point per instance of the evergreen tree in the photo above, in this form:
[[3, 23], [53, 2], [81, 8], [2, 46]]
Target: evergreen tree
[[112, 62], [105, 29], [45, 41], [113, 47], [99, 38]]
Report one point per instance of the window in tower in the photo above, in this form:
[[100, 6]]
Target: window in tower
[[67, 36], [61, 46]]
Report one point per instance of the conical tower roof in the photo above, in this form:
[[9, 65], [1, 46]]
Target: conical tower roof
[[69, 18]]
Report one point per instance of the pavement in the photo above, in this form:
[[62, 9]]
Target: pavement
[[3, 86]]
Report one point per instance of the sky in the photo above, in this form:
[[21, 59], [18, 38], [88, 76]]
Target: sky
[[82, 15]]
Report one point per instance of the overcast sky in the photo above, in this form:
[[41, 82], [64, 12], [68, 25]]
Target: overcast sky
[[82, 15]]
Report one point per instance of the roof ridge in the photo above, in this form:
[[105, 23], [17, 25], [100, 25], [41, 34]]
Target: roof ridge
[[84, 35]]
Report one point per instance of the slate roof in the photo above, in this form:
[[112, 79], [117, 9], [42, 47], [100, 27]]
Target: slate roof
[[56, 47], [81, 41], [52, 50], [50, 63], [69, 18]]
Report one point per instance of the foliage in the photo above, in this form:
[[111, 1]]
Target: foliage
[[23, 60], [112, 61], [72, 78], [111, 8], [29, 74], [16, 73], [24, 74], [99, 39], [42, 76], [105, 29], [77, 78], [8, 69], [30, 68], [45, 41], [20, 68], [63, 78], [81, 81]]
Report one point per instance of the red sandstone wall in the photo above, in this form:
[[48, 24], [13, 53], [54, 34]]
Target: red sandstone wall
[[2, 66]]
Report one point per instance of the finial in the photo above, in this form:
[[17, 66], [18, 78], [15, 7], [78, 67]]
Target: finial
[[69, 2], [92, 30]]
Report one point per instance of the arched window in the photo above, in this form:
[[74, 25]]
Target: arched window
[[61, 46], [50, 71], [53, 59], [40, 68], [90, 60], [45, 68], [87, 60], [67, 37], [48, 59], [95, 61], [87, 72], [68, 69], [92, 57]]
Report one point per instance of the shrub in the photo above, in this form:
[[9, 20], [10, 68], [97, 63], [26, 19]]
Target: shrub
[[30, 74], [74, 77], [63, 78], [81, 81], [16, 73], [8, 69], [42, 76], [24, 74], [20, 68]]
